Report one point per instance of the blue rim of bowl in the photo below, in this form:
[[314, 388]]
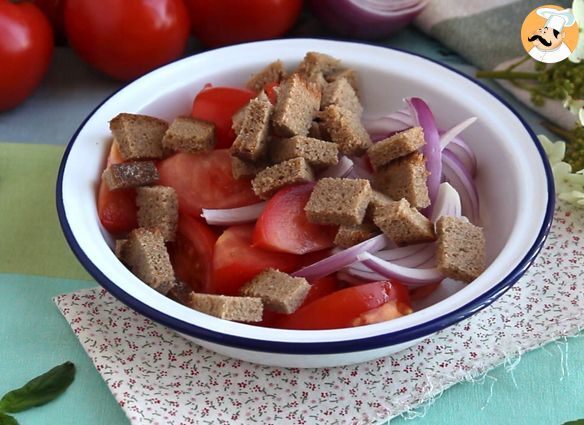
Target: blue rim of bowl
[[331, 347]]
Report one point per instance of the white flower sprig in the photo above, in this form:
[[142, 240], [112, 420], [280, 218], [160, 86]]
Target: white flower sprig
[[569, 185]]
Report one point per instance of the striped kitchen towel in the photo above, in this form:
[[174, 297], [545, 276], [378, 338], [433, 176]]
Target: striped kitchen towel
[[487, 34]]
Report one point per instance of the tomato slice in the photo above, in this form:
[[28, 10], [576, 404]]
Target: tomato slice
[[270, 90], [205, 181], [116, 209], [235, 261], [283, 225], [318, 289], [217, 105], [192, 253], [349, 307]]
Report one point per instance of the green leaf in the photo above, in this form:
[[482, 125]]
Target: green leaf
[[576, 422], [40, 390], [7, 419]]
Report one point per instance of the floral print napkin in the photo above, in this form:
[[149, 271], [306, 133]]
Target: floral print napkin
[[158, 377]]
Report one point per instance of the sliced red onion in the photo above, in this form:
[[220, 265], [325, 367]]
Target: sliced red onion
[[409, 256], [366, 18], [341, 169], [408, 276], [449, 135], [464, 154], [365, 274], [447, 202], [360, 169], [455, 173], [231, 216], [431, 150], [383, 127], [341, 259]]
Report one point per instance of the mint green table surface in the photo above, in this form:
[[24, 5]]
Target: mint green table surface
[[545, 387]]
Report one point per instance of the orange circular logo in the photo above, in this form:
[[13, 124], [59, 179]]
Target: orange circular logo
[[549, 33]]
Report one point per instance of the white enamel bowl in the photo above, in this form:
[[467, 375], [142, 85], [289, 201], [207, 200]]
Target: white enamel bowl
[[514, 183]]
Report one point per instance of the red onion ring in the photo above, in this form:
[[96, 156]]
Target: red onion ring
[[455, 173], [341, 169], [447, 202], [225, 217], [449, 135], [464, 154], [411, 277]]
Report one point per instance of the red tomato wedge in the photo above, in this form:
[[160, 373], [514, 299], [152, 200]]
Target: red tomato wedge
[[235, 261], [350, 307], [192, 253], [270, 90], [318, 289], [217, 105], [283, 225], [205, 181], [116, 208]]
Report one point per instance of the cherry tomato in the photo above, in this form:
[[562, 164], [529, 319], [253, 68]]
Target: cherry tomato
[[222, 22], [54, 10], [217, 105], [283, 225], [270, 90], [236, 262], [205, 180], [126, 39], [192, 253], [26, 47], [353, 306], [117, 209]]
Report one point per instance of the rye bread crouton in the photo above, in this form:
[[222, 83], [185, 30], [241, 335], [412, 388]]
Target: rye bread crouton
[[237, 118], [130, 174], [188, 134], [278, 291], [241, 309], [119, 247], [347, 236], [342, 94], [347, 73], [251, 143], [318, 63], [379, 201], [181, 293], [338, 201], [158, 208], [403, 224], [345, 129], [138, 136], [146, 256], [317, 153], [297, 105], [396, 146], [241, 168], [271, 179], [405, 177], [460, 252], [274, 72]]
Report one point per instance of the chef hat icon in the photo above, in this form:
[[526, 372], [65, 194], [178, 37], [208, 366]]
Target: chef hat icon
[[556, 19]]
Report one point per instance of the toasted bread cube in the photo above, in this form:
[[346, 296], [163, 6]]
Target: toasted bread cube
[[252, 140], [405, 177], [403, 224], [297, 105], [138, 136], [396, 146], [241, 309], [158, 207], [318, 63], [130, 174], [119, 247], [181, 293], [271, 179], [379, 202], [460, 250], [349, 74], [278, 291], [274, 72], [318, 153], [338, 201], [347, 236], [345, 129], [342, 94], [146, 256], [241, 168], [188, 134], [238, 117]]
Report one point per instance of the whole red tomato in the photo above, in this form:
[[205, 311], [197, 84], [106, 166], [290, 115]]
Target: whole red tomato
[[55, 11], [26, 46], [222, 22], [127, 38]]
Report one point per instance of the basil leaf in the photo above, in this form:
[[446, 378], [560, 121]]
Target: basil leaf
[[40, 390], [7, 419]]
